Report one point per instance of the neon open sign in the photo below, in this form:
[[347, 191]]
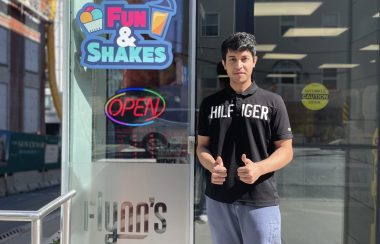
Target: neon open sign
[[135, 107]]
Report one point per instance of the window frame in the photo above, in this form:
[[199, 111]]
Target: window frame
[[6, 47], [203, 23]]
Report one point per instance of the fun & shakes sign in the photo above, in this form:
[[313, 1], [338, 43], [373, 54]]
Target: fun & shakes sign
[[119, 35]]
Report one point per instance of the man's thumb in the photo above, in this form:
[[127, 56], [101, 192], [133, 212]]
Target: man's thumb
[[219, 161], [244, 159]]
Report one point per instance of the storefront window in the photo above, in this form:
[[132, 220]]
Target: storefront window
[[324, 62], [130, 127], [163, 93], [130, 120]]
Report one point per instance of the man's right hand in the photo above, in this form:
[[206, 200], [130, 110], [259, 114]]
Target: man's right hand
[[219, 172]]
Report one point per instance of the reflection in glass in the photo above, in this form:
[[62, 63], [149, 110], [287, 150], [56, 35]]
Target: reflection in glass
[[329, 191], [138, 129]]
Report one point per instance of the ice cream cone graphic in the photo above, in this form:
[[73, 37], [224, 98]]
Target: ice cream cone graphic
[[92, 20]]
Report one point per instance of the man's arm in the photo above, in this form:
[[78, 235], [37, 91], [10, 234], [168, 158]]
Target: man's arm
[[282, 156], [204, 154], [277, 160], [216, 167]]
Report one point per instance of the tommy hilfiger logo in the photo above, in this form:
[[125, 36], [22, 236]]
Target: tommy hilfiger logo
[[244, 110]]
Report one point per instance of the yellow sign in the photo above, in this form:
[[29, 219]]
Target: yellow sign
[[315, 96]]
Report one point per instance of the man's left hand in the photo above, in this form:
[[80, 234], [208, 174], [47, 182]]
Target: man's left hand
[[250, 172]]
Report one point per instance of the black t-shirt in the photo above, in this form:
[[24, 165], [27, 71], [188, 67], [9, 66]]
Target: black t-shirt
[[247, 123]]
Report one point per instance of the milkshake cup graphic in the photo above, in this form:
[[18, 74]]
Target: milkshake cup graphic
[[161, 13], [159, 20], [92, 19]]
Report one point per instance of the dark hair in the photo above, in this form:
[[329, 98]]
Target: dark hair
[[239, 41]]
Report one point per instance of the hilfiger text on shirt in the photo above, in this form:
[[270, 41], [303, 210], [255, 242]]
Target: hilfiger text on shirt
[[247, 110]]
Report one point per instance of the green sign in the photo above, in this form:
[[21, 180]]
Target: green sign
[[26, 152]]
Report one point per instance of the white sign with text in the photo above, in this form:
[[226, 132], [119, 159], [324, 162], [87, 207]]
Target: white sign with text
[[130, 203]]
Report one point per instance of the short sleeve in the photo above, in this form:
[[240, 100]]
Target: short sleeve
[[280, 124], [203, 122]]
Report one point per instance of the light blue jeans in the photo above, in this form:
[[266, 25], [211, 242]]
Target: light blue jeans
[[241, 224]]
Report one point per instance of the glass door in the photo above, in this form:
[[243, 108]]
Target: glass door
[[129, 121], [322, 57]]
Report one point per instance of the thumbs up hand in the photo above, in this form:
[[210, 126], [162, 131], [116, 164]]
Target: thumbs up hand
[[250, 172], [219, 172]]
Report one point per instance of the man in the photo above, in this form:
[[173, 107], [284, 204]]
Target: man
[[244, 136]]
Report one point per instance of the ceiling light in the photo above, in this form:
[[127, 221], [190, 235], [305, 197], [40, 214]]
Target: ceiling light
[[285, 8], [373, 61], [372, 47], [265, 47], [291, 56], [281, 75], [314, 32], [338, 66], [377, 15]]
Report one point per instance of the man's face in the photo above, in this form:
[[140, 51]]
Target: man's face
[[239, 66]]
